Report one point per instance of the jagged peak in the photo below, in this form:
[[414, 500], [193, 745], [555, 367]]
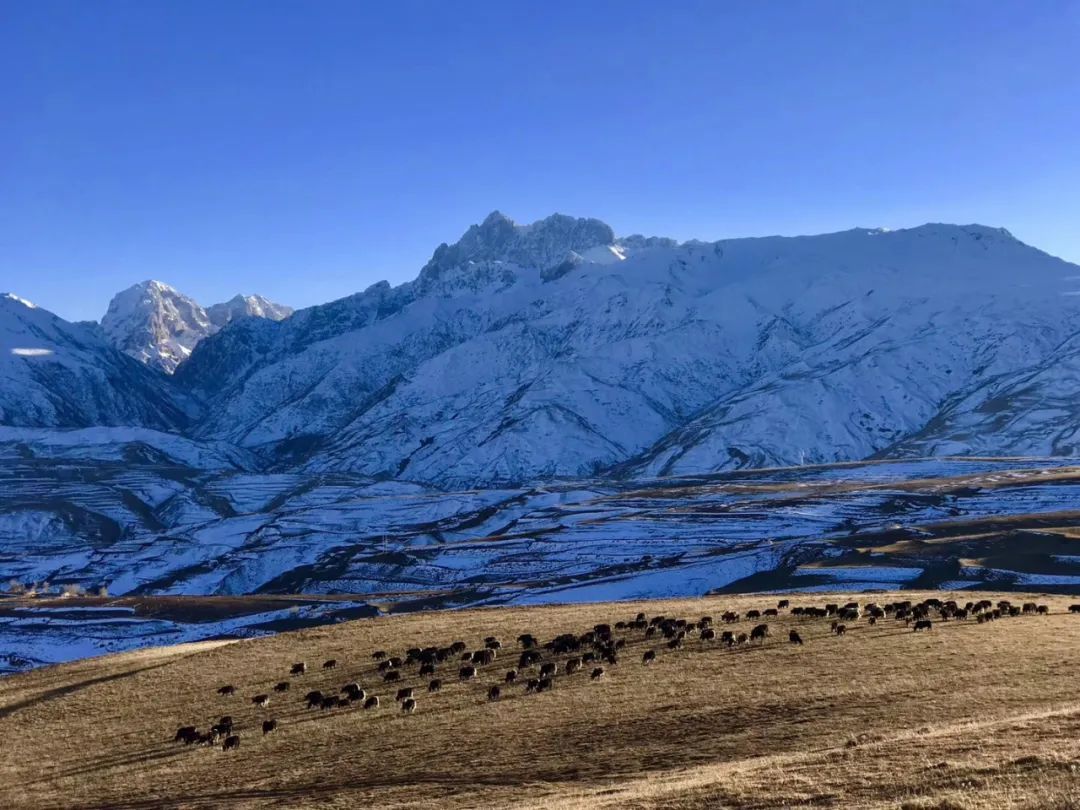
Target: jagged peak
[[539, 245]]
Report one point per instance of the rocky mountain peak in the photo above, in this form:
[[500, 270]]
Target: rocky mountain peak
[[160, 326], [540, 245]]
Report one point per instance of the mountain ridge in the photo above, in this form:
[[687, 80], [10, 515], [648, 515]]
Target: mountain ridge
[[557, 349]]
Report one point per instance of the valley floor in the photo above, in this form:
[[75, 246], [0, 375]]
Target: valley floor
[[967, 715]]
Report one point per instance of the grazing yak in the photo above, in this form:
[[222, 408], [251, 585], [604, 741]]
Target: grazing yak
[[330, 702], [597, 674], [372, 702], [262, 701], [549, 669], [268, 726], [186, 734], [283, 686], [392, 675], [403, 693], [298, 668], [648, 657], [435, 686], [840, 629], [232, 741], [467, 673], [526, 640], [795, 638], [427, 669], [511, 676], [227, 691], [408, 706], [708, 634], [494, 693], [531, 685], [378, 655], [783, 603], [484, 656], [330, 664], [544, 685], [759, 633], [923, 624], [573, 665], [314, 699]]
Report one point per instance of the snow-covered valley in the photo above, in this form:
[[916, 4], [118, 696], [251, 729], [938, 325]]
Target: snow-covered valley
[[166, 529]]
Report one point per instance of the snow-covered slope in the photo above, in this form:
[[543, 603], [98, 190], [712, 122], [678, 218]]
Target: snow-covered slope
[[556, 349], [159, 326], [59, 374]]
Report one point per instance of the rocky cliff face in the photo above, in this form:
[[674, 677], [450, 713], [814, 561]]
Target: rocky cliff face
[[159, 326]]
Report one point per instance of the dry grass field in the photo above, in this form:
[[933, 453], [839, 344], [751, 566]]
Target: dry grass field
[[965, 716]]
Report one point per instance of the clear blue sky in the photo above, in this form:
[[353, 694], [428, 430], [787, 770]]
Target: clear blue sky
[[304, 150]]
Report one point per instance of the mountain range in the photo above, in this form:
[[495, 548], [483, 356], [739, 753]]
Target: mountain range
[[557, 349]]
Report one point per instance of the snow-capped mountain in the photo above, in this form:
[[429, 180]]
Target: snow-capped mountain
[[59, 374], [159, 326], [556, 349]]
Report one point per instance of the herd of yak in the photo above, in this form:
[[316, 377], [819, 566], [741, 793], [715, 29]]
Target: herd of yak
[[539, 666]]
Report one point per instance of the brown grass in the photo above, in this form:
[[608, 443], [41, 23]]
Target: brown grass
[[966, 716]]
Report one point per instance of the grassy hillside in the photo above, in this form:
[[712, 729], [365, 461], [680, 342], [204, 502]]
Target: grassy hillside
[[966, 715]]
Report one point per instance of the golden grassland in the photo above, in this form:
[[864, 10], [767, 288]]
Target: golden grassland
[[964, 716]]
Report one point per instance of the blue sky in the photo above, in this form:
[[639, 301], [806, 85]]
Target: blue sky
[[306, 150]]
